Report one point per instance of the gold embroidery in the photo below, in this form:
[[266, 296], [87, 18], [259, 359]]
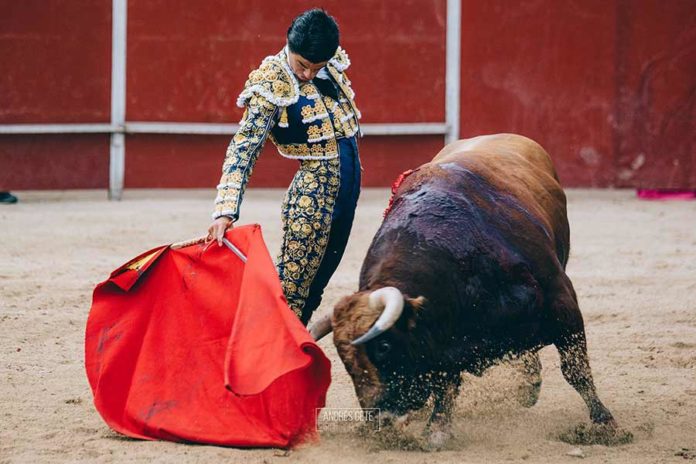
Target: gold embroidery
[[326, 128], [139, 263], [331, 146], [283, 118], [338, 112], [307, 212], [294, 149], [340, 60], [280, 87], [273, 82], [307, 112], [330, 103], [270, 74], [313, 133], [241, 156], [310, 91], [317, 150], [235, 176]]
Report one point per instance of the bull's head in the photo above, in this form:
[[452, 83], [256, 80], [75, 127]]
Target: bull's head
[[373, 337]]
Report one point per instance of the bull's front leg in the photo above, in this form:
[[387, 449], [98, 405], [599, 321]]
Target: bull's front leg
[[439, 427], [529, 365]]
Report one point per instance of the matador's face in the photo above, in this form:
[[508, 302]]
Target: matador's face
[[304, 69]]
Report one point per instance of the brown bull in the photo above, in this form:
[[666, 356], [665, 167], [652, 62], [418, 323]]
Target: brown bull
[[468, 267]]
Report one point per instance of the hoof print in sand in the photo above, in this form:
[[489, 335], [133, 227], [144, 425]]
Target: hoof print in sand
[[593, 434]]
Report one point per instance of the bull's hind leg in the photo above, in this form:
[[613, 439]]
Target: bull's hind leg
[[528, 390], [568, 334], [572, 347], [576, 370]]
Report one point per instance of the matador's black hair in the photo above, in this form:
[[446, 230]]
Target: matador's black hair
[[314, 35]]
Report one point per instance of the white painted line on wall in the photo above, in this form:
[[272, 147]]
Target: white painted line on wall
[[90, 128], [423, 128], [195, 128], [117, 158], [185, 128], [230, 129], [453, 69]]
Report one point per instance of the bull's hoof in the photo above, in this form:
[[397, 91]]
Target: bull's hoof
[[392, 434], [389, 420], [438, 439], [390, 438], [597, 434], [439, 434], [528, 394]]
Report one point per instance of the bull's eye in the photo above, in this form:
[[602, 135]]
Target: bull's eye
[[382, 349]]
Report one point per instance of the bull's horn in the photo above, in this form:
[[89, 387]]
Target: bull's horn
[[391, 301], [321, 328]]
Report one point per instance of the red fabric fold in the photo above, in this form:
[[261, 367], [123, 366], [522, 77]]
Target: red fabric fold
[[194, 345]]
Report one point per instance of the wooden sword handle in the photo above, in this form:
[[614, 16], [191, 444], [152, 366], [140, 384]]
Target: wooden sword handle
[[185, 243]]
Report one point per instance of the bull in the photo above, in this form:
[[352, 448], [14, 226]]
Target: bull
[[467, 268]]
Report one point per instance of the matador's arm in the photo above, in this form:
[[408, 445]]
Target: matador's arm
[[242, 153]]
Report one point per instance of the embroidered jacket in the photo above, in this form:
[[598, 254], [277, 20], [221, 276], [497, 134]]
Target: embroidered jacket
[[301, 122]]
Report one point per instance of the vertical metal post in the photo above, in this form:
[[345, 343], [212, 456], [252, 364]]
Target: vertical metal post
[[453, 69], [119, 12]]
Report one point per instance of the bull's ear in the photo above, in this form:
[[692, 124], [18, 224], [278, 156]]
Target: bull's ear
[[415, 305]]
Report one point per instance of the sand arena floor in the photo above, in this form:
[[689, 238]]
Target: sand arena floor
[[633, 264]]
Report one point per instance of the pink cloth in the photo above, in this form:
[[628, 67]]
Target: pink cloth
[[666, 194]]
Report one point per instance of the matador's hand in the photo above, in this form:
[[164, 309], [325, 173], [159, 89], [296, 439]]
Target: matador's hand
[[217, 229]]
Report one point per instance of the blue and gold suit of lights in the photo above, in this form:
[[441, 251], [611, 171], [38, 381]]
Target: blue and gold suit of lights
[[319, 205]]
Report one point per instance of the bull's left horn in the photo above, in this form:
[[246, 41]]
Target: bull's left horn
[[391, 301], [321, 328]]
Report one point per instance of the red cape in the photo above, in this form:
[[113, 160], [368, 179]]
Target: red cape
[[194, 345]]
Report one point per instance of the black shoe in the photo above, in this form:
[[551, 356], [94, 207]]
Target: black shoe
[[7, 197]]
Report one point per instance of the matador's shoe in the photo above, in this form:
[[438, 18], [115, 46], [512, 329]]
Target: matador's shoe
[[7, 197]]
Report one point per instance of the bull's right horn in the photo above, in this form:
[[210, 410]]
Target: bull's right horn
[[391, 301]]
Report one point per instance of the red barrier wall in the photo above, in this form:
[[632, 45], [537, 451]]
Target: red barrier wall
[[192, 161], [544, 70], [189, 64], [54, 161], [655, 139], [55, 67], [608, 87], [55, 57]]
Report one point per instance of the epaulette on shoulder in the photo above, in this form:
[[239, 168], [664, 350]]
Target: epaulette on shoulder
[[340, 60], [273, 81]]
